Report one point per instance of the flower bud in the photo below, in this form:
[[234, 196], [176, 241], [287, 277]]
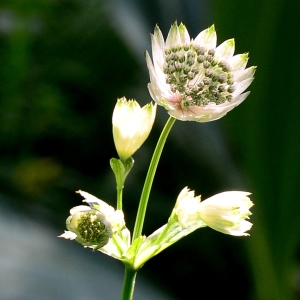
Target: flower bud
[[186, 208], [225, 212], [131, 126]]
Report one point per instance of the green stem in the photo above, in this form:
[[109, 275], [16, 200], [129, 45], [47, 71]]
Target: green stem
[[119, 198], [128, 285], [149, 179]]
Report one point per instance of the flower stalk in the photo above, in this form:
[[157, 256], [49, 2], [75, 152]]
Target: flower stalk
[[138, 227], [129, 282]]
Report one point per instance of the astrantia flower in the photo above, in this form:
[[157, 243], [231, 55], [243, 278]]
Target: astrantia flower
[[114, 217], [95, 224], [225, 212], [131, 126], [88, 227], [193, 79]]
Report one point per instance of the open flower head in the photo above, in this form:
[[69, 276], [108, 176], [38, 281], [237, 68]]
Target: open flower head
[[225, 212], [93, 225], [131, 126], [88, 226], [114, 217], [192, 78]]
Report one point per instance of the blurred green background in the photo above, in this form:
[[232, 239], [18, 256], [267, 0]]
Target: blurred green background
[[63, 64]]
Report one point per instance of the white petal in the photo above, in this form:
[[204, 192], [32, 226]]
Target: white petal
[[157, 48], [227, 198], [173, 37], [158, 83], [158, 36], [207, 38], [69, 235], [239, 99], [244, 74], [225, 50], [238, 62], [240, 230], [79, 208], [88, 197], [184, 35], [241, 86]]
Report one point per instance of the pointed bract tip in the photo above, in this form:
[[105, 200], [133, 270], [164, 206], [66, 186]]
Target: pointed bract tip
[[211, 29], [245, 55], [181, 26], [231, 42]]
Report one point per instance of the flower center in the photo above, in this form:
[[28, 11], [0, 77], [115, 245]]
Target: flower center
[[92, 229], [198, 76]]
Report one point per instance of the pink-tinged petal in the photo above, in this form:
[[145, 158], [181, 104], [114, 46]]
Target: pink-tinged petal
[[207, 38], [158, 95], [155, 78]]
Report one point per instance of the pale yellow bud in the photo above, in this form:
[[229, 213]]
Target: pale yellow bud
[[131, 126], [227, 212]]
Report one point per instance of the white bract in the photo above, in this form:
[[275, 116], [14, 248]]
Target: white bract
[[193, 79], [131, 126]]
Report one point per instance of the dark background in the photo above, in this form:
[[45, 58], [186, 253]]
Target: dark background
[[63, 64]]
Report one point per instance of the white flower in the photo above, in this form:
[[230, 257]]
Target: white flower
[[88, 227], [95, 224], [193, 79], [131, 126], [227, 212]]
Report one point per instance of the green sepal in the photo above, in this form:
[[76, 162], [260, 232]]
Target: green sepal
[[121, 169], [130, 254]]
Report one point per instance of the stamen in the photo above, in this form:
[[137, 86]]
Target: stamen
[[196, 76]]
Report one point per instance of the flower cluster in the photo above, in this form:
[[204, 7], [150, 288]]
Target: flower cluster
[[193, 79]]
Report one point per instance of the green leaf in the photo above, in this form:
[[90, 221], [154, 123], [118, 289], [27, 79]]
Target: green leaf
[[121, 170]]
